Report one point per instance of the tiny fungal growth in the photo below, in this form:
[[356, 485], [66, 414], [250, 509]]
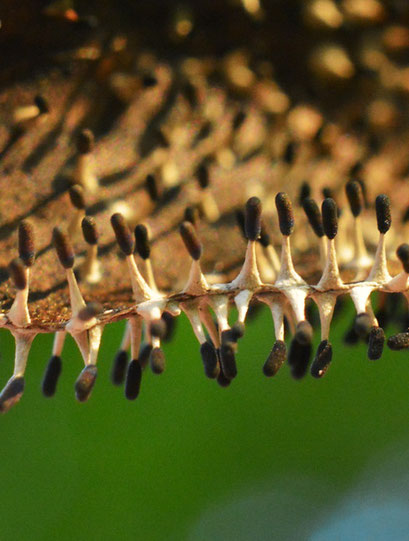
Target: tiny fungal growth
[[137, 188]]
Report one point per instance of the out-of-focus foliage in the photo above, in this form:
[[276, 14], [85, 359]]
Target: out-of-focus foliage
[[191, 460]]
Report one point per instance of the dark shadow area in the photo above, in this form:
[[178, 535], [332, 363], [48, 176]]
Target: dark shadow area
[[113, 178], [7, 228], [107, 109], [14, 136], [49, 141], [149, 139], [39, 295]]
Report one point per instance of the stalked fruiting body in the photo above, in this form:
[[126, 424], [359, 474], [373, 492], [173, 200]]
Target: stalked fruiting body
[[356, 202], [206, 306], [91, 268], [85, 169]]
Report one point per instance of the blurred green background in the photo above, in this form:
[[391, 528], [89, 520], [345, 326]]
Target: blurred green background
[[262, 459]]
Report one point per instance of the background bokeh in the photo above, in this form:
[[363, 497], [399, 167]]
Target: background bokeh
[[263, 459]]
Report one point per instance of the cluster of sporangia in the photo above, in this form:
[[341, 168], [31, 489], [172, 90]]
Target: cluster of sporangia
[[151, 314]]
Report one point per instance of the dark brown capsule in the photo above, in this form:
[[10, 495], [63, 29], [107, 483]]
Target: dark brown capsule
[[276, 359], [170, 322], [133, 380], [192, 215], [221, 379], [123, 234], [77, 196], [237, 331], [285, 213], [399, 341], [42, 104], [149, 81], [355, 197], [89, 230], [119, 367], [142, 244], [210, 362], [144, 355], [152, 187], [191, 240], [202, 175], [85, 141], [327, 192], [157, 360], [383, 317], [252, 218], [228, 360], [18, 273], [356, 168], [226, 337], [403, 254], [11, 393], [26, 243], [290, 152], [299, 358], [329, 217], [158, 328], [51, 376], [294, 352], [383, 213], [304, 193], [322, 359], [303, 333], [85, 382], [63, 247], [313, 214], [363, 324], [375, 343]]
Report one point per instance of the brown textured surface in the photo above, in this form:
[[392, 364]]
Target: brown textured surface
[[35, 173], [35, 169]]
